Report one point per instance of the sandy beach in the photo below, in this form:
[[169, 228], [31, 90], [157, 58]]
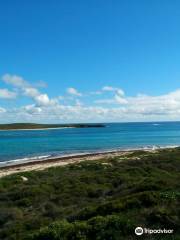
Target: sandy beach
[[39, 165]]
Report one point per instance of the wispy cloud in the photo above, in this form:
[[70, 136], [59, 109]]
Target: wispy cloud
[[2, 110], [73, 91], [96, 93], [14, 80], [118, 91], [41, 84], [118, 98], [6, 94]]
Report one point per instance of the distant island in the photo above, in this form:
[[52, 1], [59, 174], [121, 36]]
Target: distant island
[[23, 126]]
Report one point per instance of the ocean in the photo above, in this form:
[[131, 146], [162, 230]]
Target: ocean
[[25, 145]]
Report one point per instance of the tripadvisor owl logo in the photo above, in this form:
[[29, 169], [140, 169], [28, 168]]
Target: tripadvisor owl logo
[[139, 231]]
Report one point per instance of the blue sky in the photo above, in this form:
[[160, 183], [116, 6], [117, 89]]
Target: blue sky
[[129, 46]]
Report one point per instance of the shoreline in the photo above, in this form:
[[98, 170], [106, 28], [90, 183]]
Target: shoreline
[[60, 161], [39, 158], [41, 164]]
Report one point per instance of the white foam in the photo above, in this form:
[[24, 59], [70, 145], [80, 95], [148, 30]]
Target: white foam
[[23, 160]]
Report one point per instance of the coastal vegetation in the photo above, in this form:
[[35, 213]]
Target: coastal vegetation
[[15, 126], [104, 200]]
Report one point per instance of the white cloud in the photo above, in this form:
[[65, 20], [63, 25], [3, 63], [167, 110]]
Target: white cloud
[[28, 90], [120, 100], [31, 92], [73, 91], [6, 94], [115, 100], [14, 80], [32, 109], [117, 108], [2, 110], [118, 91], [108, 88], [78, 102], [105, 101], [42, 99], [40, 84]]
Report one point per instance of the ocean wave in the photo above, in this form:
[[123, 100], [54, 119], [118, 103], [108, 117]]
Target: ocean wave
[[156, 147], [26, 159]]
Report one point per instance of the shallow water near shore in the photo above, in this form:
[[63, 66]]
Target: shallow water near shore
[[42, 144]]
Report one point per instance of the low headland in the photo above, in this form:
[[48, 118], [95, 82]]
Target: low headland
[[101, 196], [34, 126]]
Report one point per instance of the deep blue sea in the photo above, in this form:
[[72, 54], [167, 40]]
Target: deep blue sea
[[33, 144]]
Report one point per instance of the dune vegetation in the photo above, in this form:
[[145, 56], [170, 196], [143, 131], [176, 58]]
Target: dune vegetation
[[104, 200]]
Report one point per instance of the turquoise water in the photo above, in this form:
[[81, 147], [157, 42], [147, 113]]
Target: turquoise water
[[45, 143]]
